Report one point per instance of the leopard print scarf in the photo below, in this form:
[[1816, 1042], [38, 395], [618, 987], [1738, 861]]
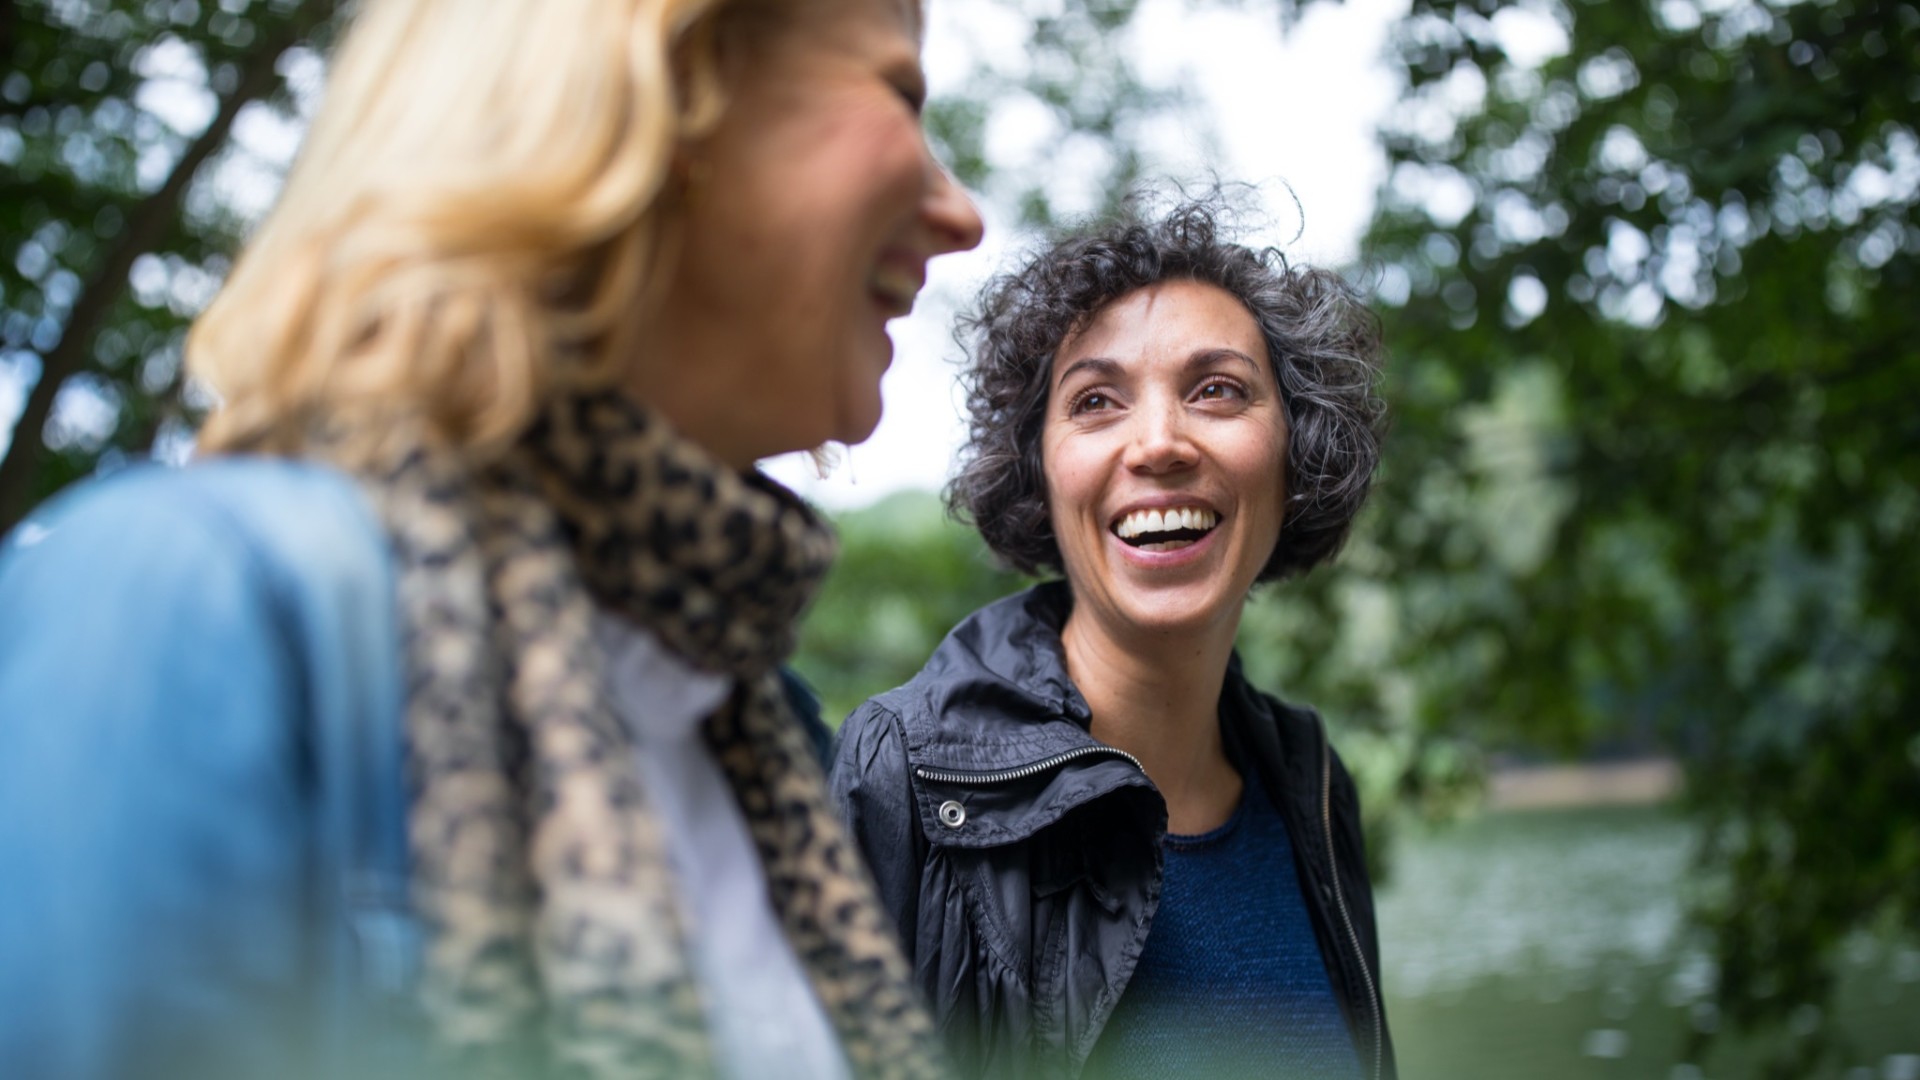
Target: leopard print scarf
[[555, 946]]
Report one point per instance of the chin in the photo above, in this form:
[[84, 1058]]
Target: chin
[[859, 420], [858, 433], [1179, 611], [863, 405]]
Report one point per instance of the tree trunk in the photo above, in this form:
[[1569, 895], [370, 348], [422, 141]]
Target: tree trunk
[[167, 404], [9, 18], [147, 222]]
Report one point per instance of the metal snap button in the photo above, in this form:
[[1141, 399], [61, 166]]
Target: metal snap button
[[952, 814]]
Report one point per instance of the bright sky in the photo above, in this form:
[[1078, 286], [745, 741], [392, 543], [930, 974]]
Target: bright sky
[[1297, 109]]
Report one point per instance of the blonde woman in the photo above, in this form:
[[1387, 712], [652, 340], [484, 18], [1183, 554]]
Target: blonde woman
[[432, 718]]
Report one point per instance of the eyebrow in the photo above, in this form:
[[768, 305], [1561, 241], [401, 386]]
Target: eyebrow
[[1101, 366], [1209, 357], [1108, 368]]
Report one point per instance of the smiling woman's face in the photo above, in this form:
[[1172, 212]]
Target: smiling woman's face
[[810, 216], [1165, 456]]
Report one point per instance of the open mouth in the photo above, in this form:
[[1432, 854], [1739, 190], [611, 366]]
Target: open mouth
[[1165, 530], [894, 289]]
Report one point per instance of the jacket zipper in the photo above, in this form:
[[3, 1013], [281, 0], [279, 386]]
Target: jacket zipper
[[1340, 900], [980, 779]]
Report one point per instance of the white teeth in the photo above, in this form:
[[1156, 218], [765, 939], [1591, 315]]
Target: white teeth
[[896, 286], [1150, 521]]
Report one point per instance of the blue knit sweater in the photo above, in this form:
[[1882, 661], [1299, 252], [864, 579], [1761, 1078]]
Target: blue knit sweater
[[1231, 982]]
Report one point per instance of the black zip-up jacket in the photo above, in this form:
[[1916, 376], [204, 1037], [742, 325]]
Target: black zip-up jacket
[[1021, 858]]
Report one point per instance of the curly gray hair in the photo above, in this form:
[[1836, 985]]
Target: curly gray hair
[[1322, 341]]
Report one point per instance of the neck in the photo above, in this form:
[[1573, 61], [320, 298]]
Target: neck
[[700, 400], [1158, 698]]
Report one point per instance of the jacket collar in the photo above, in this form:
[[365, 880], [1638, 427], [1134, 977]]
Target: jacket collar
[[996, 694], [994, 726]]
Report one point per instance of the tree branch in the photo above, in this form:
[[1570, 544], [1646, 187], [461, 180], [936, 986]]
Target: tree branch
[[147, 223]]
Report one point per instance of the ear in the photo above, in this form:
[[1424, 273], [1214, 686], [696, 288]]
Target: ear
[[698, 60]]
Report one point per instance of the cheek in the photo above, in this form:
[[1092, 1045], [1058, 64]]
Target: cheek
[[1062, 512], [1276, 483], [1277, 457], [888, 145], [863, 165], [1064, 477], [1057, 501], [1263, 472]]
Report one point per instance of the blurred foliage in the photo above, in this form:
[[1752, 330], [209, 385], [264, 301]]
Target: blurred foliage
[[906, 574], [1652, 304], [1072, 75], [109, 113]]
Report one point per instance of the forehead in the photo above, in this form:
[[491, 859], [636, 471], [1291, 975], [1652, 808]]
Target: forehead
[[912, 14], [904, 15], [1168, 319]]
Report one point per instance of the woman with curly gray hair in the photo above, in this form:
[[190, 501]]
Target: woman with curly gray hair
[[1107, 852]]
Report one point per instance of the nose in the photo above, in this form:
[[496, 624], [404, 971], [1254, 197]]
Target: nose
[[1159, 441], [949, 213]]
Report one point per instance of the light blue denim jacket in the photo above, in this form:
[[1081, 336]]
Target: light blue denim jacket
[[202, 796]]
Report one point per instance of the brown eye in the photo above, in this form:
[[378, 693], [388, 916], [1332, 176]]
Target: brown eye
[[1088, 402], [1221, 390]]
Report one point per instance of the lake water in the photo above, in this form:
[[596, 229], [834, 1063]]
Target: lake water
[[1553, 944]]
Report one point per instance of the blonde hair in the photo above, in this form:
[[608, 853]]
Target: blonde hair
[[477, 212]]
